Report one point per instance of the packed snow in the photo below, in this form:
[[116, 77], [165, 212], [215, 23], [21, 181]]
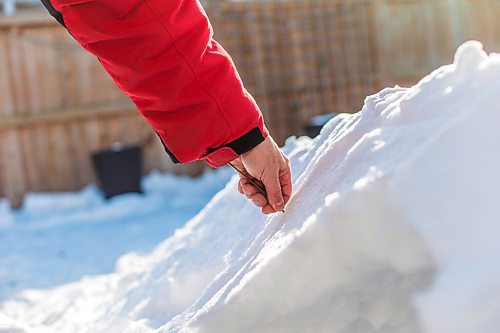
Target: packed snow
[[393, 227]]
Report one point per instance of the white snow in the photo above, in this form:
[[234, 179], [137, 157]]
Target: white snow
[[57, 238], [5, 215], [393, 228]]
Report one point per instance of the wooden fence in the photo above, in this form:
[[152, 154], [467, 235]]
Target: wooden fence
[[414, 37], [298, 58], [301, 58], [57, 106]]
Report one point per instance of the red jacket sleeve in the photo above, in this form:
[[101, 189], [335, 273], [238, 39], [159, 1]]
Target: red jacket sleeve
[[162, 55]]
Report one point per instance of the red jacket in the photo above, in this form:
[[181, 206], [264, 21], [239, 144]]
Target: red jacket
[[162, 55]]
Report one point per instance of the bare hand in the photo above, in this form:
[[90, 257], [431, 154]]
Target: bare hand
[[266, 164]]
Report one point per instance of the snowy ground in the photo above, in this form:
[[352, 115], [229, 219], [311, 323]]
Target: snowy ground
[[393, 228], [58, 238]]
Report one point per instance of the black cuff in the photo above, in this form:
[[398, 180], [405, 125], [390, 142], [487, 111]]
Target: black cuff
[[246, 142]]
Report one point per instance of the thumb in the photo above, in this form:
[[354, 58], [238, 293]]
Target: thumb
[[273, 188]]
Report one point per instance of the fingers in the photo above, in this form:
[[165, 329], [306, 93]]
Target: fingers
[[273, 188], [252, 193], [278, 187], [240, 189], [286, 181], [266, 163], [268, 210]]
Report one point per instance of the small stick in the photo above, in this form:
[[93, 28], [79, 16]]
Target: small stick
[[251, 181]]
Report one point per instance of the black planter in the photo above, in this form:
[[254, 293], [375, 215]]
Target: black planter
[[119, 170], [316, 123]]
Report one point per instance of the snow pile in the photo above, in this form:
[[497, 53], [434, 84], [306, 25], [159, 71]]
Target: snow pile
[[57, 238], [89, 204], [393, 228]]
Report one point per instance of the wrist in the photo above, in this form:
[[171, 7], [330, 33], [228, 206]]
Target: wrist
[[242, 145]]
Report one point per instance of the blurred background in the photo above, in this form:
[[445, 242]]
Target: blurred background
[[299, 59]]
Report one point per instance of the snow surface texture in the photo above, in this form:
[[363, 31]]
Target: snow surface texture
[[393, 228]]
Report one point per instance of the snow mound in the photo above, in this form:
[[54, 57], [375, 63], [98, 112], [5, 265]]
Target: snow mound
[[393, 228]]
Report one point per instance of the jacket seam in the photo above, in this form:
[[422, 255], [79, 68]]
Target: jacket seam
[[190, 68]]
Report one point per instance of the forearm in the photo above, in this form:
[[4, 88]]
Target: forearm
[[162, 55]]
